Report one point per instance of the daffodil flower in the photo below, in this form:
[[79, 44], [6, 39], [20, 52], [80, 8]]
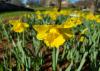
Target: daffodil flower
[[72, 22], [18, 26], [90, 16], [52, 35]]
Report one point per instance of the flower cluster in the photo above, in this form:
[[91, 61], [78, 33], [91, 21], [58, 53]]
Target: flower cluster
[[54, 35]]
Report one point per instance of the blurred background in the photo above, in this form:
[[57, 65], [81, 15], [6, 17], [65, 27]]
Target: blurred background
[[47, 3], [79, 4]]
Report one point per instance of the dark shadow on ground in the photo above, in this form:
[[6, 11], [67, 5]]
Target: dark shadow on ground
[[7, 7]]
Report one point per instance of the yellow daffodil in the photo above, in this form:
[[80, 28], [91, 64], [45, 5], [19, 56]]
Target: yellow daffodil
[[41, 30], [54, 38], [72, 22], [52, 35], [18, 26], [53, 16], [13, 22], [64, 12], [69, 24], [38, 15], [90, 16], [98, 18]]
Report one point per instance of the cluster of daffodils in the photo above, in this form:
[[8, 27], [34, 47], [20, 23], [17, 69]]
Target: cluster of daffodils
[[93, 17], [72, 22], [68, 12], [53, 14], [55, 35]]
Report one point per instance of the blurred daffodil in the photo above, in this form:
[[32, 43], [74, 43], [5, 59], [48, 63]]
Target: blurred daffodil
[[39, 15], [90, 16], [98, 18], [72, 22], [18, 26]]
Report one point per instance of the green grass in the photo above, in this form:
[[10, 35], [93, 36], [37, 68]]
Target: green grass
[[13, 14]]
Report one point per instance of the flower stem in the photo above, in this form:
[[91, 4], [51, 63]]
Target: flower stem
[[55, 54], [82, 61], [54, 59]]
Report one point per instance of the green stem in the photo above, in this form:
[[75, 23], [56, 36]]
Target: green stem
[[54, 59], [63, 54], [57, 54], [70, 66], [82, 61], [23, 39], [5, 32], [99, 69]]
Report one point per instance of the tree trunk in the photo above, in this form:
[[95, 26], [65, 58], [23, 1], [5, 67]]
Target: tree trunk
[[59, 5], [94, 6]]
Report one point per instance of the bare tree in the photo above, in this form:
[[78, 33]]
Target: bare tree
[[94, 6]]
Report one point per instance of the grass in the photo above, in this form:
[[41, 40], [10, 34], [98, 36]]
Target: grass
[[13, 14]]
